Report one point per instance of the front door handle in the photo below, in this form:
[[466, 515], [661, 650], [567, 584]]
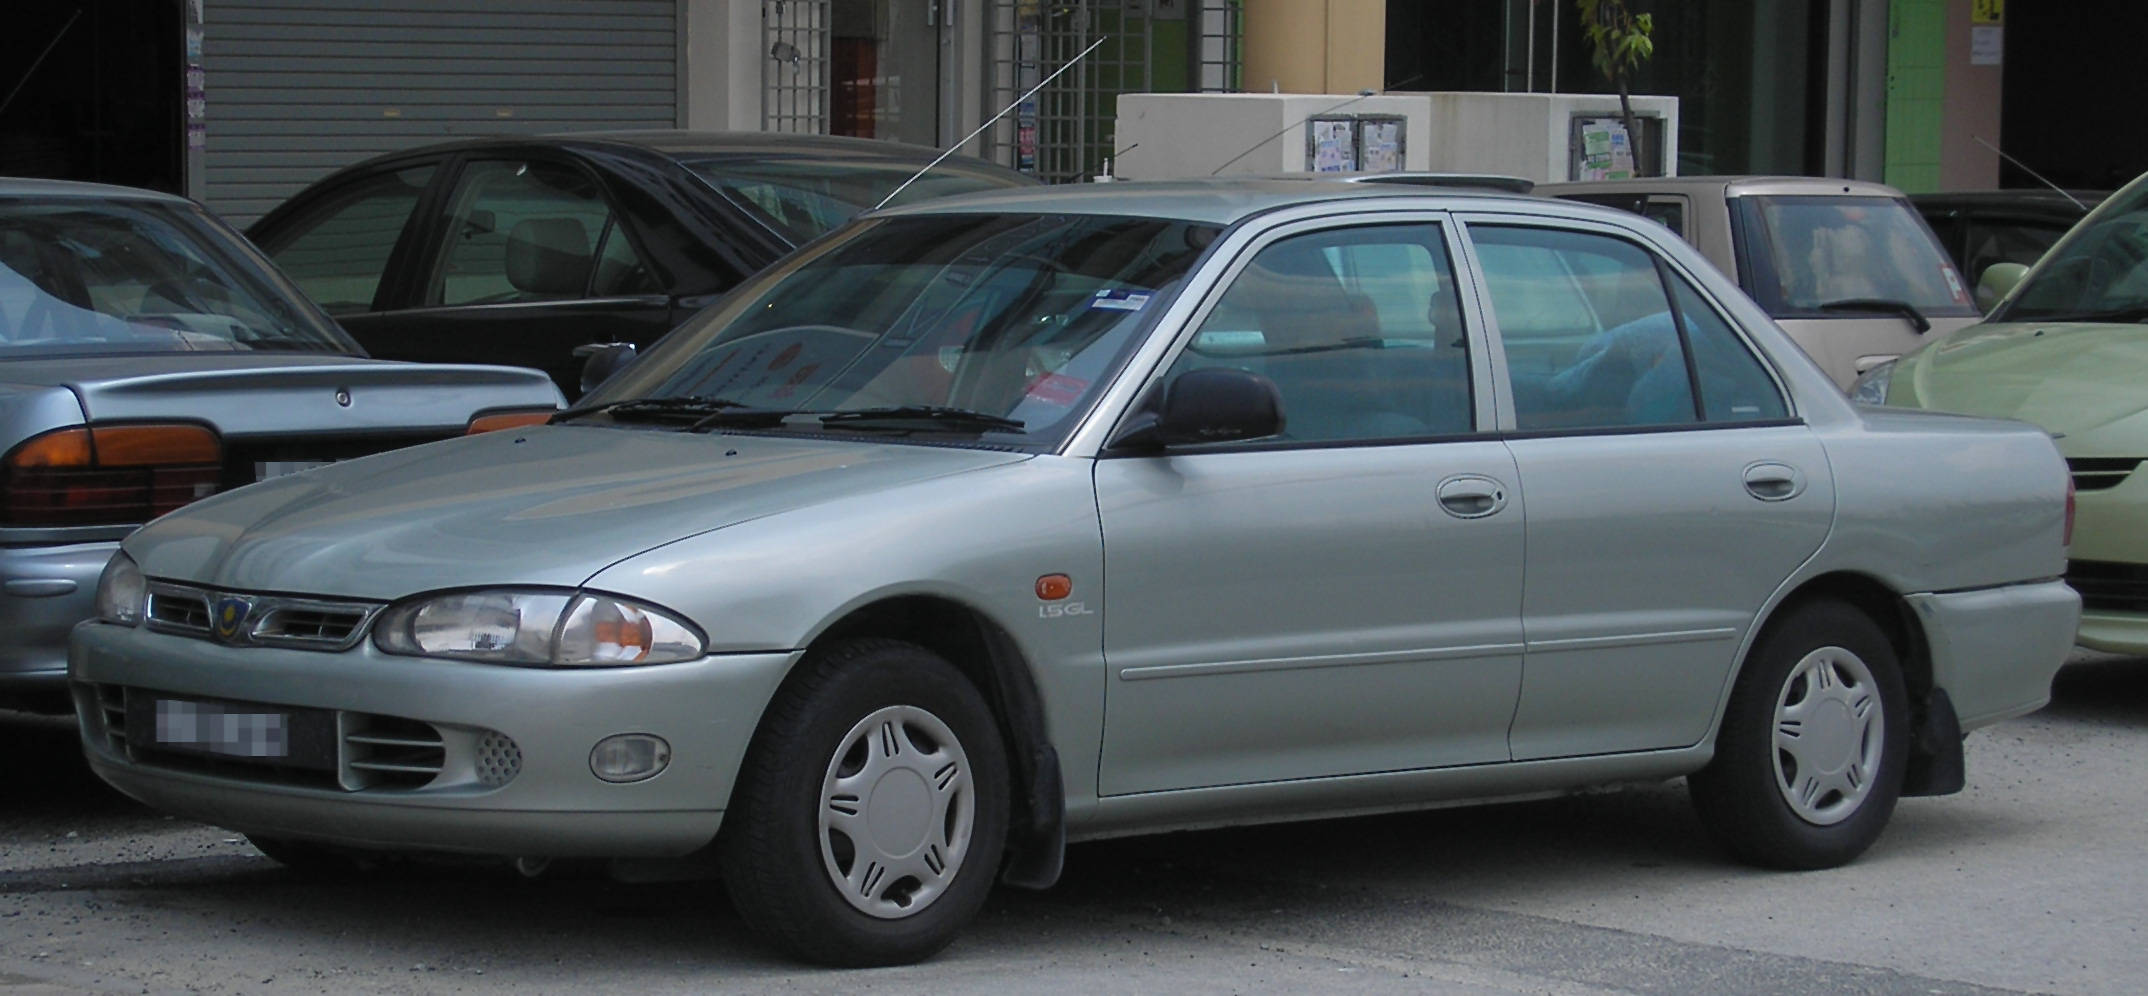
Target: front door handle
[[1471, 496], [1769, 481]]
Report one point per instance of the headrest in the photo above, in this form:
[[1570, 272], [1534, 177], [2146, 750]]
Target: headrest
[[548, 256]]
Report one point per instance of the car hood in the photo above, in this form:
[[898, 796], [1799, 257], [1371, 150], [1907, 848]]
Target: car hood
[[2068, 377], [551, 505], [282, 393]]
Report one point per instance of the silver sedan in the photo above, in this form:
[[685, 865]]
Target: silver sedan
[[982, 526]]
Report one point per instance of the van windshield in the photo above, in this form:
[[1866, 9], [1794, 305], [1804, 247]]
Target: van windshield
[[1811, 256]]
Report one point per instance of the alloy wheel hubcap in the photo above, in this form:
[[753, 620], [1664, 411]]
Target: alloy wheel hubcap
[[1829, 733], [897, 809]]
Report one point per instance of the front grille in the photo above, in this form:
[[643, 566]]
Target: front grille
[[176, 610], [371, 752], [388, 752], [2100, 473], [2109, 587], [263, 620], [332, 627]]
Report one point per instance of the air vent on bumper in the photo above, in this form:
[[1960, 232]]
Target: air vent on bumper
[[2101, 473]]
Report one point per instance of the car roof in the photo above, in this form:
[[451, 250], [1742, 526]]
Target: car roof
[[694, 144], [11, 186], [1729, 186], [1217, 201]]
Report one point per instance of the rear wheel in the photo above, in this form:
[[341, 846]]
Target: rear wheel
[[1810, 757], [872, 808]]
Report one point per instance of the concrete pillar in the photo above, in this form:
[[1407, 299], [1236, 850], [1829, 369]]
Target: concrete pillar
[[720, 65], [1315, 46], [1970, 110]]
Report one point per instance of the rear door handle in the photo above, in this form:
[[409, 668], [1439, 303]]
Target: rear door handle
[[1769, 481], [1471, 496]]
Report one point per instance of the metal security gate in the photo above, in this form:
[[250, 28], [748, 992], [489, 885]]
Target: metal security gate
[[1065, 132], [298, 88], [795, 36]]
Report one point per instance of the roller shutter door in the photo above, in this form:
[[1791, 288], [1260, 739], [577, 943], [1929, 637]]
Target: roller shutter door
[[298, 88]]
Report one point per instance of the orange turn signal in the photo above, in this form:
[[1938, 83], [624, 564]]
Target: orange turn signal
[[120, 446], [507, 420], [1053, 587]]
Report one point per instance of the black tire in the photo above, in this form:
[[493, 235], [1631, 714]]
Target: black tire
[[781, 866], [305, 858], [1753, 799]]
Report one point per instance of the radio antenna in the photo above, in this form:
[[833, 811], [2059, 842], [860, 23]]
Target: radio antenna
[[914, 177], [2025, 169], [1361, 94]]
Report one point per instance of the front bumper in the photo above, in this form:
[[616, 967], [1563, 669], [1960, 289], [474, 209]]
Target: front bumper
[[2115, 632], [44, 592], [458, 795], [1995, 650]]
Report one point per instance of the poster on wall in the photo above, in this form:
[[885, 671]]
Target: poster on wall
[[1379, 144], [1605, 151], [1332, 145]]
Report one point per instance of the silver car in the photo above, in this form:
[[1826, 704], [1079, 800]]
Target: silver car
[[150, 357], [1014, 519], [1847, 267]]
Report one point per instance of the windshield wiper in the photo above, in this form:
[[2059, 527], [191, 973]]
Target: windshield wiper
[[686, 408], [1888, 306], [922, 417]]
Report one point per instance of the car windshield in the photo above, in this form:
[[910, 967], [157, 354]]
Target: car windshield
[[80, 276], [958, 324], [1811, 256], [2098, 273], [807, 198]]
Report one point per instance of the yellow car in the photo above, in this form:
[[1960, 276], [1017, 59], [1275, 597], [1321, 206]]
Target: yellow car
[[2067, 350]]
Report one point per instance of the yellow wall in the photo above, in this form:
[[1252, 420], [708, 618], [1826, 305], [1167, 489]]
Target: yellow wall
[[1315, 46]]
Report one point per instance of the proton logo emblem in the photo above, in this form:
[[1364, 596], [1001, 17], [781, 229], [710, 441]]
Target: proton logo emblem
[[231, 613]]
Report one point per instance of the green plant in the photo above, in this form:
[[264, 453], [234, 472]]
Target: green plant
[[1619, 42]]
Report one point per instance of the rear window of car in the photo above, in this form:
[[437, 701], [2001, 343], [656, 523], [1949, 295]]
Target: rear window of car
[[805, 198], [1808, 256], [81, 276]]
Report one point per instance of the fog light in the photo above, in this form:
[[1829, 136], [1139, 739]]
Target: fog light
[[629, 757]]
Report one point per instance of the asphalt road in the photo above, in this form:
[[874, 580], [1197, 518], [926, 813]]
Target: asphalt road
[[2032, 880]]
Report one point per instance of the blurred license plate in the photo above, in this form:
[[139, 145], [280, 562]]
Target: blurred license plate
[[293, 737], [265, 469]]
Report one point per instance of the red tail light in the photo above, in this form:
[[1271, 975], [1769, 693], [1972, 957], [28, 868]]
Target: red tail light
[[2066, 538], [108, 475]]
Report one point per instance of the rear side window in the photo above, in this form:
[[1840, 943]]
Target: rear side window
[[337, 250], [1598, 334], [530, 231], [1817, 256]]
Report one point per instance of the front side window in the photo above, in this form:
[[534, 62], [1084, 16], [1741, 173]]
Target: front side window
[[1598, 335], [337, 250], [1358, 329], [79, 276], [521, 232], [1833, 256], [1002, 327]]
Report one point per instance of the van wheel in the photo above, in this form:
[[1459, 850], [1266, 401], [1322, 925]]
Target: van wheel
[[871, 811], [1810, 757]]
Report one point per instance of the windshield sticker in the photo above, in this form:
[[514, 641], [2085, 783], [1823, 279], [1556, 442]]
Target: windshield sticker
[[1057, 389], [1119, 300], [1954, 283]]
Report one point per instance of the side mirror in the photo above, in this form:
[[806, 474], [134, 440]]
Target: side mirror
[[1998, 280], [1210, 405], [601, 360]]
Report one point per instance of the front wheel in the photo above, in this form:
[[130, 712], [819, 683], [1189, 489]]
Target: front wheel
[[1810, 757], [872, 808]]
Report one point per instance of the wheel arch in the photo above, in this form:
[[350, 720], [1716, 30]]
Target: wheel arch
[[1936, 765], [989, 656]]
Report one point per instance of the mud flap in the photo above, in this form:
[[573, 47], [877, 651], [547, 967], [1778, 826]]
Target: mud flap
[[1935, 751], [1037, 852]]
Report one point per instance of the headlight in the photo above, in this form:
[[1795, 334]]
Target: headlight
[[1871, 387], [121, 592], [541, 628]]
